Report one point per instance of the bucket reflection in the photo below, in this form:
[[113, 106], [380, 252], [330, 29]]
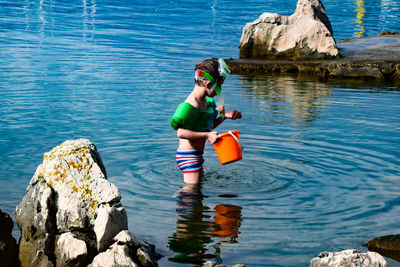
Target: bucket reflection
[[227, 222], [200, 230]]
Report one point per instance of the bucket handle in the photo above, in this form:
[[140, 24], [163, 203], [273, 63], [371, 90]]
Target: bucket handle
[[237, 140]]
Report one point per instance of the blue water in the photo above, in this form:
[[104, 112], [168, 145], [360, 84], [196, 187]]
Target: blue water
[[321, 159]]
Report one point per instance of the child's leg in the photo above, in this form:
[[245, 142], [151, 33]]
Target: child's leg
[[193, 177]]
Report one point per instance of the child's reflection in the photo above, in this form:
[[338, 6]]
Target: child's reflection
[[197, 225]]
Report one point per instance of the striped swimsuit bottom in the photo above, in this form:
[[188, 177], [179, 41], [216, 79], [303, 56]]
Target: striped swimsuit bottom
[[189, 160]]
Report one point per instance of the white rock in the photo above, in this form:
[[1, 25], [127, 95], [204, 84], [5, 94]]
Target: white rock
[[69, 192], [144, 251], [70, 248], [109, 222], [348, 258], [127, 237], [115, 256], [307, 34], [75, 171]]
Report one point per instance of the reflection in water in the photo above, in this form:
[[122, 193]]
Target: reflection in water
[[88, 19], [46, 18], [304, 96], [359, 30], [214, 12], [26, 9], [43, 22], [227, 222], [200, 229]]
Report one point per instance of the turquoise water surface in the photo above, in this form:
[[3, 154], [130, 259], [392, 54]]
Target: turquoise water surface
[[320, 168]]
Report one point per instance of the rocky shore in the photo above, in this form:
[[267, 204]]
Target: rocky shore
[[303, 43], [382, 69]]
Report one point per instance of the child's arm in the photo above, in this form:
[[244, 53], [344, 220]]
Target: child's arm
[[191, 135], [233, 115], [218, 121]]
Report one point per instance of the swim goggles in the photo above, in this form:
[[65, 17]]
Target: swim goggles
[[223, 72]]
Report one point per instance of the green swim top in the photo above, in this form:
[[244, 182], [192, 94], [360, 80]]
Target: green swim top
[[188, 117]]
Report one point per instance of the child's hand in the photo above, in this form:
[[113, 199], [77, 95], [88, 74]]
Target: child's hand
[[212, 137], [233, 115]]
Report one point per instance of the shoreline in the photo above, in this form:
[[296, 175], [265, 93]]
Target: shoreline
[[369, 58], [382, 69]]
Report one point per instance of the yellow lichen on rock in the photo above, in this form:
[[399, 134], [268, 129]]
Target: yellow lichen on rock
[[74, 188], [69, 165]]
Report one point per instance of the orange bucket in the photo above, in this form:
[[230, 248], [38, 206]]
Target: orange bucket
[[228, 148]]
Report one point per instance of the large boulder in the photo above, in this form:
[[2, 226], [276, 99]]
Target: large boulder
[[71, 212], [307, 34], [8, 245], [348, 258]]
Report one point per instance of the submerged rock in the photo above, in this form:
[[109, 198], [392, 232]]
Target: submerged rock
[[388, 246], [389, 242], [389, 33], [307, 34], [348, 258], [8, 245], [70, 212]]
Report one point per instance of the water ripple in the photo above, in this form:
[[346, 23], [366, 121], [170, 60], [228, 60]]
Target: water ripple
[[320, 167]]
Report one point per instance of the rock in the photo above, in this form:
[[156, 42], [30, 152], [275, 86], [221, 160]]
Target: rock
[[71, 250], [388, 33], [127, 250], [35, 217], [388, 246], [109, 222], [389, 242], [371, 69], [348, 258], [70, 211], [116, 256], [307, 34], [144, 252], [355, 71], [8, 245], [382, 46]]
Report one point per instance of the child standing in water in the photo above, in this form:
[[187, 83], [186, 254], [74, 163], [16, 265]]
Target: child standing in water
[[196, 118]]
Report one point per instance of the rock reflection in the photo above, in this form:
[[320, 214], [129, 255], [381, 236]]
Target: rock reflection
[[201, 230], [276, 91]]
